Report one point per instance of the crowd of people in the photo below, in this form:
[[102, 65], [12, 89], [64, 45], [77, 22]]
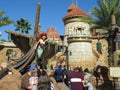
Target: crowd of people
[[37, 78], [41, 79], [75, 79]]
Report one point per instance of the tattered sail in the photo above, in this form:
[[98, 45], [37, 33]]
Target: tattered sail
[[22, 41]]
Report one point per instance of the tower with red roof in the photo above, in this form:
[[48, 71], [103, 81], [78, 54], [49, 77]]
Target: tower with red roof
[[77, 37]]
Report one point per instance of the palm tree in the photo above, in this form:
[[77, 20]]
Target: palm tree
[[22, 25], [104, 11], [4, 20]]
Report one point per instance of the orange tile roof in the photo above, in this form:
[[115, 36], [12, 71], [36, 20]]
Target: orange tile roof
[[72, 6], [52, 33], [75, 12]]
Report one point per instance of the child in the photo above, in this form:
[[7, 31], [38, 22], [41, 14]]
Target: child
[[34, 79]]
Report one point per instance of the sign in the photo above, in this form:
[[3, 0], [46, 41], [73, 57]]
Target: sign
[[115, 72]]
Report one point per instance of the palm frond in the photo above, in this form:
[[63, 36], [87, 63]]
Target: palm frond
[[4, 20], [1, 14], [104, 11]]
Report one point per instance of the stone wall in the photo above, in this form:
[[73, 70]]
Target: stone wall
[[80, 54]]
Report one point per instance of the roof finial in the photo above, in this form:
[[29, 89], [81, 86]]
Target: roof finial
[[72, 1], [76, 3]]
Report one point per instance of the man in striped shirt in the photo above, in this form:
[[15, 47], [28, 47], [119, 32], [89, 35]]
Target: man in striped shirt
[[76, 79]]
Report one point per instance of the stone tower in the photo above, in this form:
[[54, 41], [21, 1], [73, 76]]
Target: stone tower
[[77, 37]]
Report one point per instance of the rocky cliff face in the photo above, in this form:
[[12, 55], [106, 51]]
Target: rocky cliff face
[[11, 81], [58, 58]]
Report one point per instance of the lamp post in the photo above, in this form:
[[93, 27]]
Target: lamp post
[[67, 58]]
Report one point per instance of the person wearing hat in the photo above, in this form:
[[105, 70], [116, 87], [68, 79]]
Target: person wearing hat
[[25, 85], [34, 79], [76, 79]]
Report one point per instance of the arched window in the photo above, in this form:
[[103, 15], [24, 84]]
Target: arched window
[[9, 52], [99, 46]]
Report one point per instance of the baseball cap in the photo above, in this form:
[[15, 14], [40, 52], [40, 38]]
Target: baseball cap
[[33, 67]]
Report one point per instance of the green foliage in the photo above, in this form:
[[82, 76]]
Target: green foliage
[[22, 25], [4, 20], [103, 12], [118, 56], [87, 19]]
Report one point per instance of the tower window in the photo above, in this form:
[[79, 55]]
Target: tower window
[[117, 38], [70, 53], [99, 46], [118, 45], [79, 28]]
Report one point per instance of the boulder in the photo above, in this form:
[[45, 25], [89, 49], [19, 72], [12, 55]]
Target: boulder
[[11, 81]]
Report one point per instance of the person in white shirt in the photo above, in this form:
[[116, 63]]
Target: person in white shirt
[[86, 82]]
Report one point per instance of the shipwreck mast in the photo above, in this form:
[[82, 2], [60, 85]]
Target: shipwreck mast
[[36, 27]]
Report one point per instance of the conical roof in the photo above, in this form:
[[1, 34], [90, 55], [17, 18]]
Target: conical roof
[[75, 11]]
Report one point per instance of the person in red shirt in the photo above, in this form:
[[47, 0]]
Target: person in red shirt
[[76, 79]]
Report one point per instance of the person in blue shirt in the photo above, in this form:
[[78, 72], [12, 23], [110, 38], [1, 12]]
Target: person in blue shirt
[[59, 73]]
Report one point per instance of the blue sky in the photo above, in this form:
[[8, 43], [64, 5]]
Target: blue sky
[[51, 14]]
